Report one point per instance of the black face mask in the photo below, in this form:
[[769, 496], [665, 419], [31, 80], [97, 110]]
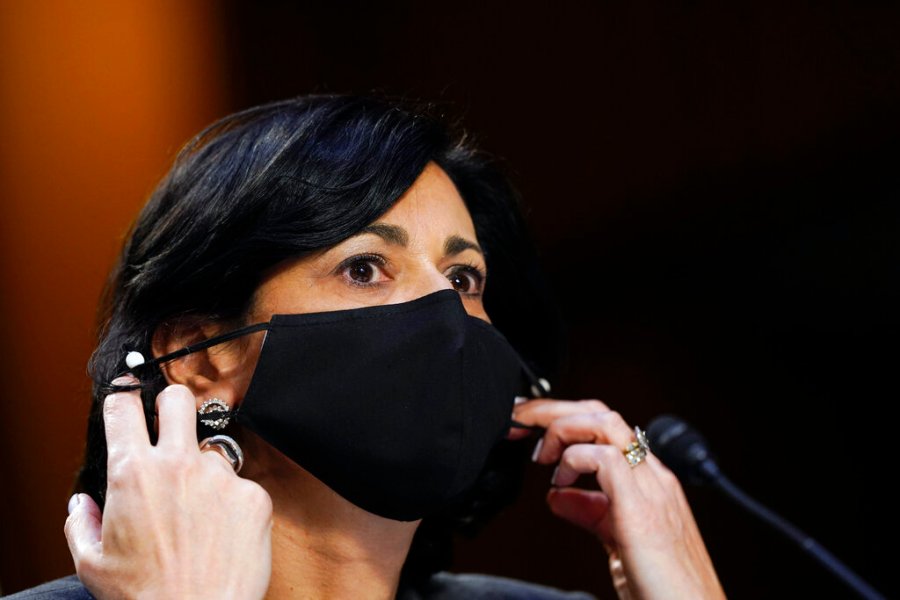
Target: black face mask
[[395, 407]]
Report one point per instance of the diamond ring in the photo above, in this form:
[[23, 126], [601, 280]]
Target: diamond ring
[[636, 451]]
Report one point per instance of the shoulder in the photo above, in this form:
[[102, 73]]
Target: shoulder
[[444, 585], [68, 588]]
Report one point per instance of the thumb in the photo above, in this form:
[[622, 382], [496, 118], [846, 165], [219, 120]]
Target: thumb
[[83, 528]]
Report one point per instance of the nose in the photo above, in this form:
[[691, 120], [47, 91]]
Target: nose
[[427, 281], [431, 280]]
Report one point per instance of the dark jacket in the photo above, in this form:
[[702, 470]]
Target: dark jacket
[[442, 586]]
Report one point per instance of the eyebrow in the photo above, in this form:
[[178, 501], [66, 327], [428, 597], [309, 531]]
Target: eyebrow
[[455, 244], [397, 236], [392, 234]]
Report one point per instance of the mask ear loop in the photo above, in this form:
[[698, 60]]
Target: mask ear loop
[[540, 387], [135, 360]]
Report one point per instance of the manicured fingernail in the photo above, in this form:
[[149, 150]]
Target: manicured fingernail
[[74, 501], [555, 473], [537, 450], [520, 399], [127, 379]]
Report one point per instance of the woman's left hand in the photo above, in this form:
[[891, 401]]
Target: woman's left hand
[[641, 515]]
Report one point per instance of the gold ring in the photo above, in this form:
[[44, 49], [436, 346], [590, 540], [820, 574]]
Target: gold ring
[[636, 451]]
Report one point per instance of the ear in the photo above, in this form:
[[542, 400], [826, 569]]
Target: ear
[[217, 372]]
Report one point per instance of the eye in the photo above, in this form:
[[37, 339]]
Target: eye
[[362, 270], [467, 279]]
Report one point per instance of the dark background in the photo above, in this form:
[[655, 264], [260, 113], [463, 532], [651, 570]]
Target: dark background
[[713, 189]]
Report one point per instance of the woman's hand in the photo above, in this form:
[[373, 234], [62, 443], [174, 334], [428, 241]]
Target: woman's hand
[[178, 523], [641, 515]]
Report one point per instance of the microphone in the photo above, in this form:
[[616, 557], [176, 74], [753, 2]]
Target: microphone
[[682, 449], [686, 453]]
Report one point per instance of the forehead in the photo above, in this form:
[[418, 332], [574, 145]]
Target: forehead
[[431, 204]]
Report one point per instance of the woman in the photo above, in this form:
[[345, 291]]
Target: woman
[[312, 275]]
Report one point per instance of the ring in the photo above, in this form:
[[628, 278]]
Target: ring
[[636, 451], [227, 447]]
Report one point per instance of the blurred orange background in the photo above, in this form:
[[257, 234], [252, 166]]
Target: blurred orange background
[[95, 99]]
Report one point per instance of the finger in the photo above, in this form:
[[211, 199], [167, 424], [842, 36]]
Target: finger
[[124, 422], [515, 432], [223, 462], [617, 572], [585, 508], [177, 410], [518, 433], [83, 528], [543, 411], [606, 427], [611, 468]]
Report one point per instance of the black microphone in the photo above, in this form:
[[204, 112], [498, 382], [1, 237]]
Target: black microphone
[[686, 453]]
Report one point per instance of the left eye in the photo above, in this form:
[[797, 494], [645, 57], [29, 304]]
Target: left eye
[[467, 280]]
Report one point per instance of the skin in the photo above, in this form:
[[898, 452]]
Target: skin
[[318, 544]]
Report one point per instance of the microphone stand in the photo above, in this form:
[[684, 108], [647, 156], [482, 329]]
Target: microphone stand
[[806, 543]]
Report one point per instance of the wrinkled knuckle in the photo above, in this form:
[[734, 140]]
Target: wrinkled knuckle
[[597, 418], [615, 419], [257, 498], [595, 405], [669, 479], [554, 429], [122, 468], [569, 456]]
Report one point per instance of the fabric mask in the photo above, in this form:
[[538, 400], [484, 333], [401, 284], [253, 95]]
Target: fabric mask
[[395, 407]]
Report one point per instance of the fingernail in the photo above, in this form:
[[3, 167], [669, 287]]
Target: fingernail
[[555, 473], [74, 501], [520, 399], [537, 450], [127, 379]]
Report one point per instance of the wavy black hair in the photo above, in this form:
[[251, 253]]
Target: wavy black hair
[[286, 179]]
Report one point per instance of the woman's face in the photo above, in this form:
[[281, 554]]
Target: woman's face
[[426, 242]]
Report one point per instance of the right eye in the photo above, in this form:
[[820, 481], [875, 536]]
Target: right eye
[[362, 270]]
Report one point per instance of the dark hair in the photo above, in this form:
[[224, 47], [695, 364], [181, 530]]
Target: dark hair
[[285, 179]]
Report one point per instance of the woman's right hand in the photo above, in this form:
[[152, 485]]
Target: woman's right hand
[[178, 523]]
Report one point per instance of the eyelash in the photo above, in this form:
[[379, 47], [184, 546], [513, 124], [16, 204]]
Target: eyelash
[[471, 268]]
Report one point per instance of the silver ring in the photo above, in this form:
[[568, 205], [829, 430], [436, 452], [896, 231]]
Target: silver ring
[[636, 451], [227, 447]]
